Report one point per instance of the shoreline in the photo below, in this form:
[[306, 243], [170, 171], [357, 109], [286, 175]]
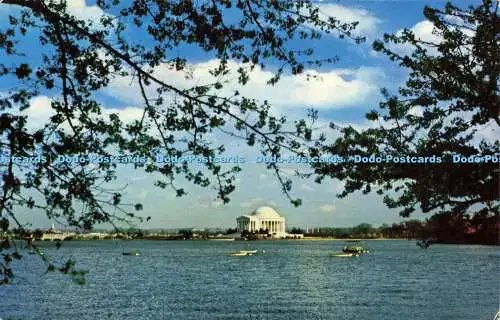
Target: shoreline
[[312, 239], [231, 239], [352, 239]]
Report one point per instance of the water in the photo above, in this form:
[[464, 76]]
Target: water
[[292, 280]]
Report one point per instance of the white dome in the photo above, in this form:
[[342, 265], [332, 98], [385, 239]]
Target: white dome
[[266, 212]]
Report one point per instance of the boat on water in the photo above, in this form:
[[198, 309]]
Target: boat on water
[[343, 255], [132, 253], [242, 253], [34, 252], [354, 247]]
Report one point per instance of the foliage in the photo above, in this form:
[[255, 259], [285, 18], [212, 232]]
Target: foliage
[[78, 59], [231, 230], [439, 228], [296, 231], [448, 106], [11, 249], [254, 235], [186, 233]]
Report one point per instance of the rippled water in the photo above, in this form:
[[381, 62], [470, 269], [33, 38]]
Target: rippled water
[[292, 280]]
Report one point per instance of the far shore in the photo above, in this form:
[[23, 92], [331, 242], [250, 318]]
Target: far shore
[[351, 239], [236, 239]]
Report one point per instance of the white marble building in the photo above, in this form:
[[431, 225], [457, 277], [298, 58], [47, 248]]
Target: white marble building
[[265, 218]]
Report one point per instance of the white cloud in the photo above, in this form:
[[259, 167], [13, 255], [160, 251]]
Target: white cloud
[[38, 113], [367, 21], [417, 111], [81, 10], [127, 114], [490, 131], [424, 31], [76, 4], [328, 208], [77, 8], [332, 89]]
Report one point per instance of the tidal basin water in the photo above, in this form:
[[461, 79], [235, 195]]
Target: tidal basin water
[[291, 280]]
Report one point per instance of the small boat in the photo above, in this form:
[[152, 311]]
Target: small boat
[[132, 253], [242, 253], [342, 255], [250, 251], [424, 244], [354, 248], [34, 253], [238, 254]]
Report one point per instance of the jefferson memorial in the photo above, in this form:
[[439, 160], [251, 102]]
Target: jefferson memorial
[[263, 218]]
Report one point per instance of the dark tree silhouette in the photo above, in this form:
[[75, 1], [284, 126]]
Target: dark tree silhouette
[[296, 230], [449, 102], [76, 59]]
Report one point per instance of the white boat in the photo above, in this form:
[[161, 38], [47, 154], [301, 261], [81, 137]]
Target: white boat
[[244, 253], [343, 255], [131, 253]]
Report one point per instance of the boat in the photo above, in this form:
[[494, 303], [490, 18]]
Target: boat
[[250, 251], [342, 255], [352, 248], [34, 253], [242, 253], [423, 244], [132, 253], [238, 254], [355, 247]]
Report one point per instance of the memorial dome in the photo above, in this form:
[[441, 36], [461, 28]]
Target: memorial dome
[[266, 212]]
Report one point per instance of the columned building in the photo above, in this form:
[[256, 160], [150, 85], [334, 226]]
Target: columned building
[[265, 218]]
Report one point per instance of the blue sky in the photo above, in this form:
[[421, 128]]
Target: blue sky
[[349, 89]]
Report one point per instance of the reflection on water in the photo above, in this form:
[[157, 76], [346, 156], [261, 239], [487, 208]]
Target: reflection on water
[[292, 280]]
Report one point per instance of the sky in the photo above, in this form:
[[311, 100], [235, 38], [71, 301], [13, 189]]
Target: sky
[[348, 89]]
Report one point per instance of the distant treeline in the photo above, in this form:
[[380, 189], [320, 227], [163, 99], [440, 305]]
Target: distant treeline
[[440, 228]]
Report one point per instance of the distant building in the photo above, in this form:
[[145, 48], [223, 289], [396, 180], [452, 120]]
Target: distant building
[[265, 218], [55, 234]]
